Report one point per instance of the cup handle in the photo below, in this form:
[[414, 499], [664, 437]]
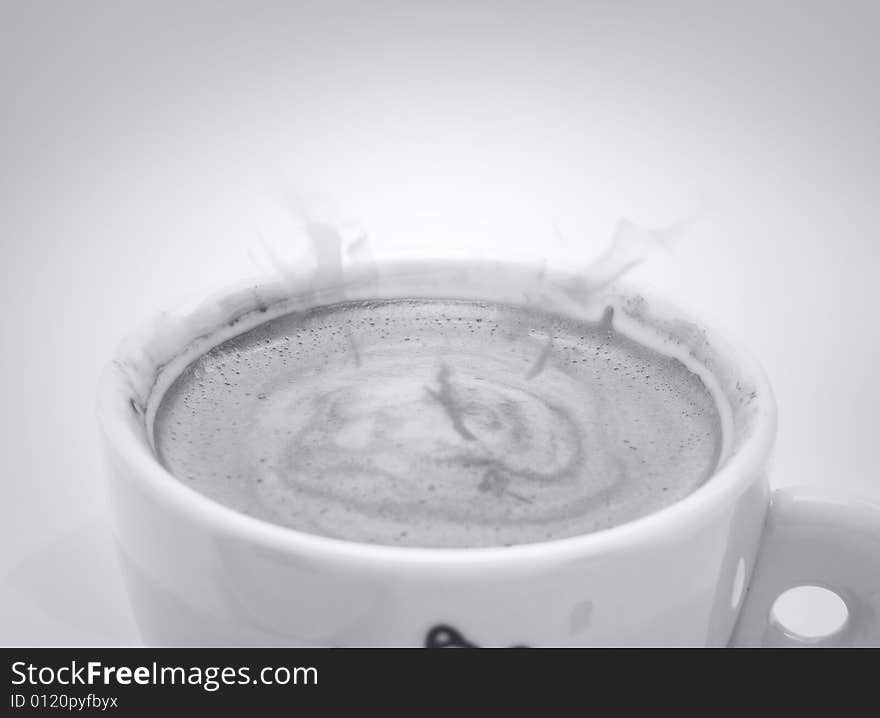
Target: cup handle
[[812, 539]]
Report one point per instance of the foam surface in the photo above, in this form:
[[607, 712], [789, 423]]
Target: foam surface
[[438, 423]]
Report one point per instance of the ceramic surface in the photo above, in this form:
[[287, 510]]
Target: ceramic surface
[[199, 573]]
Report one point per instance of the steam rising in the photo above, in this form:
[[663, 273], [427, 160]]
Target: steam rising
[[330, 245], [630, 245]]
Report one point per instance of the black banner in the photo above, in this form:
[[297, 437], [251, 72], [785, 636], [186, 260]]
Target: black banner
[[129, 681]]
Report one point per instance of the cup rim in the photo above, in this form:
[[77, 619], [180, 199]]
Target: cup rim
[[729, 480]]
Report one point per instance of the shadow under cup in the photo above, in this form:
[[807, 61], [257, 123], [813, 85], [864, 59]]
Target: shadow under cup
[[199, 573]]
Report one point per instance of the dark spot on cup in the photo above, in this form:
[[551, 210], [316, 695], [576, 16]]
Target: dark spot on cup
[[444, 636]]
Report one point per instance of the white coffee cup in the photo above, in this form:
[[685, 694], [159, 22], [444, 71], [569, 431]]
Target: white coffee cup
[[704, 571]]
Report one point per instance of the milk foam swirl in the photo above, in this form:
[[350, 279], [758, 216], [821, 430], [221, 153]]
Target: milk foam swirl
[[425, 423]]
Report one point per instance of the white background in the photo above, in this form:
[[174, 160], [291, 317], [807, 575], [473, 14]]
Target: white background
[[141, 143]]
